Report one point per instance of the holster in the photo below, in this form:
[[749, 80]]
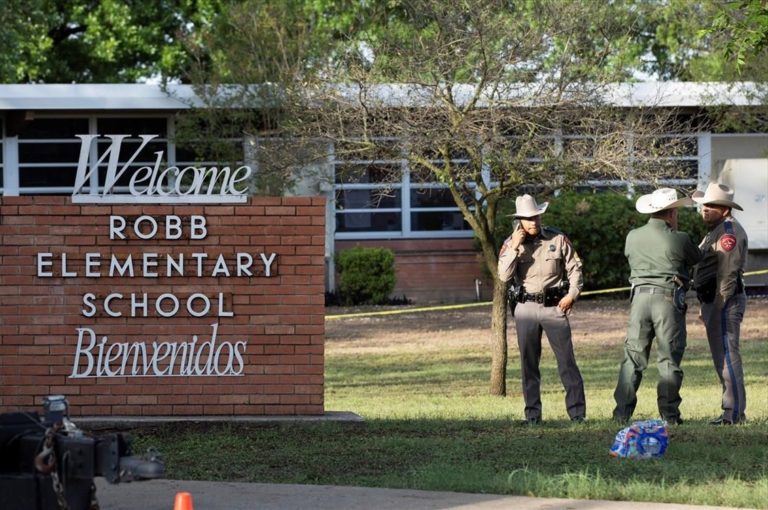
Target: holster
[[678, 298], [707, 291], [512, 299]]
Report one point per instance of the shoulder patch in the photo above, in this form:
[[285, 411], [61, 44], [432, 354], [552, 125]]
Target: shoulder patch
[[727, 242]]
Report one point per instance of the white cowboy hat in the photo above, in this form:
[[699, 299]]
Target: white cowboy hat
[[526, 207], [661, 200], [716, 194]]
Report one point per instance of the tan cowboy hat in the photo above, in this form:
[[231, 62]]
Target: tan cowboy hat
[[661, 200], [526, 207], [716, 194]]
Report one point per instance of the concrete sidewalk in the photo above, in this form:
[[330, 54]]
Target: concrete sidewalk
[[160, 494]]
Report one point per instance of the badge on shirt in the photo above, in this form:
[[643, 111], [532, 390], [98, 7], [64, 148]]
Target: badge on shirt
[[728, 242], [552, 247]]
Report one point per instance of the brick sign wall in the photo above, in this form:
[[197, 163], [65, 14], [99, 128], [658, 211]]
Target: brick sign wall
[[151, 310]]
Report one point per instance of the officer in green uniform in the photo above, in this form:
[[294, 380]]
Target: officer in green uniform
[[547, 274], [720, 289], [659, 259]]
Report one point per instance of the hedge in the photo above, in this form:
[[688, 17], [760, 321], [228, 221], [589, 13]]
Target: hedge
[[366, 275], [597, 225]]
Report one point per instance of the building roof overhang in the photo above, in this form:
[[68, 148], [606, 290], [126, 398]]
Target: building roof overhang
[[179, 97]]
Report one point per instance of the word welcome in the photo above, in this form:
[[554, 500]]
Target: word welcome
[[151, 184]]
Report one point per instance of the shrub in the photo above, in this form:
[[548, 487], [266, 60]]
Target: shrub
[[366, 275], [597, 225]]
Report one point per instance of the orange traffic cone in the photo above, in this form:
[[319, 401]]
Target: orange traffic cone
[[183, 501]]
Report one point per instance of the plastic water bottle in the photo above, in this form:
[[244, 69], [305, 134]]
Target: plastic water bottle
[[651, 446]]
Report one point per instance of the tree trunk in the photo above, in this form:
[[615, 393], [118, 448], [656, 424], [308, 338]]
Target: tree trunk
[[499, 339]]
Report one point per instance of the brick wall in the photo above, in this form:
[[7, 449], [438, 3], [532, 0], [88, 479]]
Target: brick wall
[[269, 330], [434, 270]]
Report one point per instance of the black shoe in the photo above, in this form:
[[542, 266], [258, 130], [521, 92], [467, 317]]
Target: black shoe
[[722, 420], [621, 420], [673, 420], [578, 419], [536, 420]]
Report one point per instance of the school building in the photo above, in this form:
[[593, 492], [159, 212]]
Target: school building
[[436, 259]]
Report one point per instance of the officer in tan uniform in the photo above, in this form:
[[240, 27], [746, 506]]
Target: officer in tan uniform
[[720, 289], [546, 274]]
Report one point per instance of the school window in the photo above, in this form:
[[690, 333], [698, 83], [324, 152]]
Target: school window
[[48, 150], [382, 197]]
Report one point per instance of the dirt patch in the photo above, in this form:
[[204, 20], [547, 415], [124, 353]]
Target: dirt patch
[[595, 322]]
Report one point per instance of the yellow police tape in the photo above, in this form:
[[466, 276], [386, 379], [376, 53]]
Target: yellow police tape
[[483, 303]]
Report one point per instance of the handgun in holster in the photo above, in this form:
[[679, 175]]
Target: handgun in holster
[[512, 297], [678, 297]]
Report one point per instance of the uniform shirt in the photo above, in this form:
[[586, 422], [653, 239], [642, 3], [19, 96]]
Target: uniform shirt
[[542, 262], [657, 254], [727, 258]]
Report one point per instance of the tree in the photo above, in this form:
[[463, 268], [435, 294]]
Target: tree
[[108, 41], [488, 98], [718, 40]]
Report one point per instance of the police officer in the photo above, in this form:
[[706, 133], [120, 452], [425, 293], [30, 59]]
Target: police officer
[[659, 260], [543, 264], [720, 289]]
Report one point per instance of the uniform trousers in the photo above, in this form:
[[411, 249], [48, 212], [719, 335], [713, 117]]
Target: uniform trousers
[[652, 316], [530, 320], [723, 325]]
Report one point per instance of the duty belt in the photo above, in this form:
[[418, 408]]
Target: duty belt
[[536, 298], [648, 289]]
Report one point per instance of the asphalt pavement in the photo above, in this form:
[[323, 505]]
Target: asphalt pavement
[[160, 495]]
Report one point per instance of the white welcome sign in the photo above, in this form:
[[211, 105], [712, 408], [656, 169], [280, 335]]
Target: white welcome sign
[[153, 184]]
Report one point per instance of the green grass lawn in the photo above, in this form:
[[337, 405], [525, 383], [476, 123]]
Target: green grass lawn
[[431, 425]]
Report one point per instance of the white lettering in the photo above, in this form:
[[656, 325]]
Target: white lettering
[[244, 263], [172, 227], [127, 266], [150, 260], [199, 231], [206, 305], [174, 309], [220, 269], [136, 305], [152, 230], [116, 227], [88, 302], [151, 184], [42, 262], [92, 262], [65, 273], [268, 263], [157, 359], [108, 300], [83, 351]]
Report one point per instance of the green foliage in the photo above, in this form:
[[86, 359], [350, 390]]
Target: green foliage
[[597, 225], [111, 41], [689, 221], [367, 275]]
